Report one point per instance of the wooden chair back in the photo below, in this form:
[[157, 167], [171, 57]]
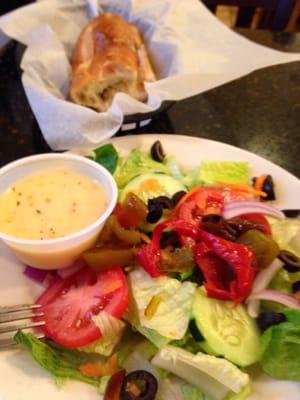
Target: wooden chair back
[[267, 14]]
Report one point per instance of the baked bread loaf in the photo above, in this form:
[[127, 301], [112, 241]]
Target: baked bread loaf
[[109, 57]]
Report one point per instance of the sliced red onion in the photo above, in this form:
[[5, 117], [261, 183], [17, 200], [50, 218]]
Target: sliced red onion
[[65, 272], [279, 297], [38, 275], [261, 282], [235, 208]]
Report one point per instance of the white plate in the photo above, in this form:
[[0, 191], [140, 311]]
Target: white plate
[[22, 378]]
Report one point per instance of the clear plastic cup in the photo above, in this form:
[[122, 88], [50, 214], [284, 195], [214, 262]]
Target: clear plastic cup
[[59, 252]]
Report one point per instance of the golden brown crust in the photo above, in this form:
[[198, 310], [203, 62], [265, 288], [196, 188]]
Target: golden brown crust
[[109, 57]]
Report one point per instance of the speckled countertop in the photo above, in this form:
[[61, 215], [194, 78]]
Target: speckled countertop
[[259, 112]]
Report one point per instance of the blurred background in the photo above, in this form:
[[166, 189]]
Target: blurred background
[[280, 15]]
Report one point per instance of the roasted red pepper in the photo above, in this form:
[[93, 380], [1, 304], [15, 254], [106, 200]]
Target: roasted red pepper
[[228, 267], [148, 256]]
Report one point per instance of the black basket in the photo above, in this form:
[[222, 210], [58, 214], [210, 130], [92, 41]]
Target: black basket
[[131, 122]]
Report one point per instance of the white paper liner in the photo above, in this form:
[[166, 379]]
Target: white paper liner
[[191, 51]]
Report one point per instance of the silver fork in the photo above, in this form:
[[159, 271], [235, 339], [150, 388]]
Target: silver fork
[[13, 318]]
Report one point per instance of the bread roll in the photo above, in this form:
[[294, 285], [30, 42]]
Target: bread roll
[[109, 57]]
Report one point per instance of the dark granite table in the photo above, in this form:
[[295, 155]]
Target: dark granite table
[[259, 112]]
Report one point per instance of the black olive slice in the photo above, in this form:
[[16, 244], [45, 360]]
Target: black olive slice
[[211, 218], [139, 385], [169, 238], [197, 277], [177, 197], [157, 151], [268, 188], [291, 213], [269, 318], [155, 213], [290, 260], [193, 328], [164, 201], [296, 287]]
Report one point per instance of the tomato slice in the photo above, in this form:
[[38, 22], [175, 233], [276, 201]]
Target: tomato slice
[[206, 200], [259, 218], [69, 304]]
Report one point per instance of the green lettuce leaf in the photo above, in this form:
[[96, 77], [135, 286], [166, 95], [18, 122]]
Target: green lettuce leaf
[[243, 395], [153, 336], [292, 315], [103, 384], [191, 392], [185, 275], [281, 344], [212, 172], [134, 341], [174, 168], [282, 282], [112, 330], [62, 363], [188, 343], [286, 233], [192, 178], [107, 156], [137, 163]]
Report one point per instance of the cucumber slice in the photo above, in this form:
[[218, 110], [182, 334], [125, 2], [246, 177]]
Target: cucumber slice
[[149, 186], [228, 330]]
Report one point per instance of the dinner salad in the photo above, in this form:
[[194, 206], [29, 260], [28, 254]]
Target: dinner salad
[[194, 278]]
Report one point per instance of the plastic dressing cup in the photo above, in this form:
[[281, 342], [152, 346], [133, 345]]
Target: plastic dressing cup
[[58, 252]]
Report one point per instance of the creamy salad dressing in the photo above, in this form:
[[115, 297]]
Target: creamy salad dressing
[[51, 204]]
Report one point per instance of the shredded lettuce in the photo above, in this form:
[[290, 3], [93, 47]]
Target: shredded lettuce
[[137, 163], [212, 172], [111, 328], [281, 345], [214, 376], [171, 317]]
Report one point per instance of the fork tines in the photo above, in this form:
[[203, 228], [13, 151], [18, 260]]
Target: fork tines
[[18, 313]]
